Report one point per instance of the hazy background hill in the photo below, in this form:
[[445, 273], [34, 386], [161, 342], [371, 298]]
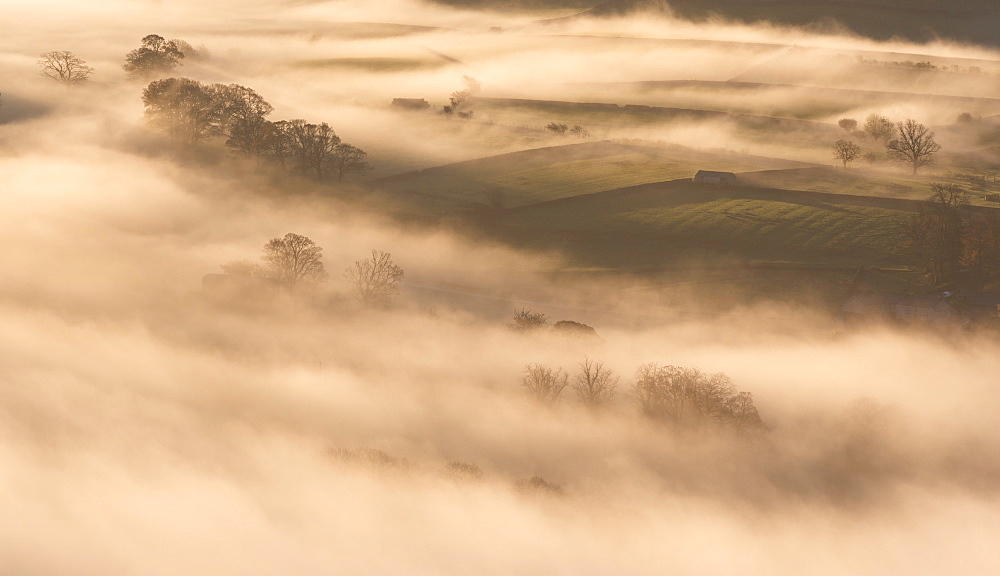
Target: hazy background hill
[[919, 20]]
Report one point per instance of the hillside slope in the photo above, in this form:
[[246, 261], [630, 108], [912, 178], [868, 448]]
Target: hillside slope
[[919, 20], [545, 174]]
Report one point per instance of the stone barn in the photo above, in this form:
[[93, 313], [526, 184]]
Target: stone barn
[[710, 177], [411, 103]]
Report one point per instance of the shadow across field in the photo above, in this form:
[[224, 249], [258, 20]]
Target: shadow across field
[[742, 238]]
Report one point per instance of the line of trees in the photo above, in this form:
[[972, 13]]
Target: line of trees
[[156, 56], [680, 397], [563, 129], [192, 112], [296, 262], [907, 142]]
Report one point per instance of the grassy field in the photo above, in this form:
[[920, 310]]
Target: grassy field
[[545, 174], [725, 244], [750, 224], [884, 182]]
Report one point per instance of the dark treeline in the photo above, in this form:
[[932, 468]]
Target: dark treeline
[[955, 242], [191, 112], [682, 398]]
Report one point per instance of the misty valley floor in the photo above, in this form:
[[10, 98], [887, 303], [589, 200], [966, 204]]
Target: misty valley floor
[[592, 365]]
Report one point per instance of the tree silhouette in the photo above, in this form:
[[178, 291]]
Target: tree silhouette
[[595, 384], [543, 384], [689, 398], [245, 119], [457, 100], [348, 159], [294, 261], [848, 124], [915, 145], [183, 108], [156, 56], [557, 128], [375, 280], [525, 320], [64, 67], [312, 146], [846, 151], [878, 127], [937, 231]]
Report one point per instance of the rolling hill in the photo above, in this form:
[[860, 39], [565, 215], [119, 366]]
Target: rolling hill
[[543, 174], [918, 20]]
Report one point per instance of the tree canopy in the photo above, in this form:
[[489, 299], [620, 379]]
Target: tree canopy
[[686, 397], [156, 56], [191, 112], [846, 151], [878, 127], [183, 108], [294, 261]]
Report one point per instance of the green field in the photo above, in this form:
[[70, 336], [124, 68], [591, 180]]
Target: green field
[[788, 231], [557, 172], [729, 244], [750, 224]]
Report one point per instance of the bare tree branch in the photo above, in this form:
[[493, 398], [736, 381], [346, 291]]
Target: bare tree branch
[[64, 67]]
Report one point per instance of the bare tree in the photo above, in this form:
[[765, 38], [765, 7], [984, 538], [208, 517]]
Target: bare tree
[[375, 280], [846, 151], [879, 128], [595, 384], [579, 132], [543, 384], [64, 67], [157, 55], [915, 145], [348, 159], [294, 261], [525, 320]]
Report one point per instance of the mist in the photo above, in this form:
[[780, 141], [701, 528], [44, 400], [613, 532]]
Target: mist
[[149, 425]]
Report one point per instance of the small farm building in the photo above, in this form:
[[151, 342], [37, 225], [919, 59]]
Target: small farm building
[[411, 103], [710, 177]]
